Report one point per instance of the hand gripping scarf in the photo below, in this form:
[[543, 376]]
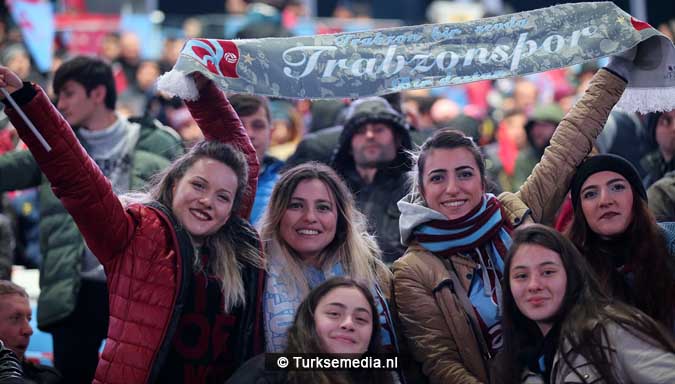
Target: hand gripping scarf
[[484, 234], [352, 65]]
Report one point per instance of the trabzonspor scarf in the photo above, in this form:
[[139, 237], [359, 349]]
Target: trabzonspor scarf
[[283, 296], [484, 235], [377, 62]]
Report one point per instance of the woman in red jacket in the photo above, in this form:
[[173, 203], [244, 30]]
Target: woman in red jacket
[[184, 271]]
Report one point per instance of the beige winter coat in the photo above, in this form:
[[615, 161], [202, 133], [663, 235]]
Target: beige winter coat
[[432, 319]]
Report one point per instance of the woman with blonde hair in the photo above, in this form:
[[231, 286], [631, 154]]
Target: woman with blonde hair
[[312, 231]]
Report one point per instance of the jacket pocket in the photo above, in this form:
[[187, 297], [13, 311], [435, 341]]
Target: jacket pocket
[[584, 374]]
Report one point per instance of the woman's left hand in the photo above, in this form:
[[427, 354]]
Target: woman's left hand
[[9, 80], [201, 81]]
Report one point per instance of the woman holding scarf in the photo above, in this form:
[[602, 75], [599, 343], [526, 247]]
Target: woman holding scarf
[[447, 285], [181, 261]]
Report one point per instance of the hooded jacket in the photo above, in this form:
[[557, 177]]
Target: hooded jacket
[[432, 317], [140, 247], [378, 199], [653, 163]]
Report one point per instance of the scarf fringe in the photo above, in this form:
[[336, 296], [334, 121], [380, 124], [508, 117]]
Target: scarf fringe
[[644, 100], [177, 83]]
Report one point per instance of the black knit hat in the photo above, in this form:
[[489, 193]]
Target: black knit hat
[[606, 162]]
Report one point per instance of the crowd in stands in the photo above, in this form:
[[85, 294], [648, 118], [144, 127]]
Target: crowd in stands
[[515, 230]]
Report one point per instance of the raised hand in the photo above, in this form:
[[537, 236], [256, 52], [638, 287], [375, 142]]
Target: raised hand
[[201, 81], [9, 80]]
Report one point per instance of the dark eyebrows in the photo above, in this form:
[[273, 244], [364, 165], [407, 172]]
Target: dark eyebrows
[[364, 310], [544, 264], [207, 182], [463, 167], [358, 309], [618, 179], [612, 181]]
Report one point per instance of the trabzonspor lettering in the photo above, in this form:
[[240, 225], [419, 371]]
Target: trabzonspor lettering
[[304, 60]]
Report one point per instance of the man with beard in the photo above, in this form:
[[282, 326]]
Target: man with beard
[[372, 158], [661, 128]]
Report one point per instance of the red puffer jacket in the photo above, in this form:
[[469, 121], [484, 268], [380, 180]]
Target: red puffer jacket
[[137, 245]]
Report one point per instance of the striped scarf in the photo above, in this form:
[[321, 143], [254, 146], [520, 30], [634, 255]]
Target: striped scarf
[[484, 236]]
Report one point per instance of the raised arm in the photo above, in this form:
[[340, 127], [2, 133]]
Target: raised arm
[[545, 189], [218, 121], [76, 180]]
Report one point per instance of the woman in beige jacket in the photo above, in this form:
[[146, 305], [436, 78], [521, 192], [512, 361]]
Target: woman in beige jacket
[[560, 326], [447, 285]]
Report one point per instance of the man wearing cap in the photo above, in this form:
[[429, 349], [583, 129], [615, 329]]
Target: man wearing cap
[[539, 129], [372, 158]]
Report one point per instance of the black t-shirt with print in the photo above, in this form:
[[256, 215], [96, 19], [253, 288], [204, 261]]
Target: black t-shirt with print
[[201, 351]]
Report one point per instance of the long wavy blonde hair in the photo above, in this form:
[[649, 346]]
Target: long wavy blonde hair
[[235, 244], [352, 246]]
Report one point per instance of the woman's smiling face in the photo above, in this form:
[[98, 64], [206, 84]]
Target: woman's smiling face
[[452, 183], [310, 220]]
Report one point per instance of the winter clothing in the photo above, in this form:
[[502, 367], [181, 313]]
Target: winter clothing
[[525, 163], [632, 359], [662, 198], [283, 297], [6, 248], [655, 166], [271, 171], [626, 136], [254, 372], [377, 200], [653, 163], [146, 255], [530, 156], [39, 374], [428, 294], [62, 245], [482, 235], [607, 162], [549, 113], [10, 367]]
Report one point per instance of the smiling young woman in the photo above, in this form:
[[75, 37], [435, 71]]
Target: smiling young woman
[[559, 326], [337, 318], [448, 283], [312, 231], [615, 231], [177, 258]]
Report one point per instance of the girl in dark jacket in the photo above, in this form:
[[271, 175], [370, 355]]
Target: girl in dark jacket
[[183, 268], [559, 327], [338, 317], [615, 231]]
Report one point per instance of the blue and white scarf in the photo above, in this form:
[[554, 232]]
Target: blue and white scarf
[[283, 296]]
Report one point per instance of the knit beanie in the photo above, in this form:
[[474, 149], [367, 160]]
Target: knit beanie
[[606, 162]]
